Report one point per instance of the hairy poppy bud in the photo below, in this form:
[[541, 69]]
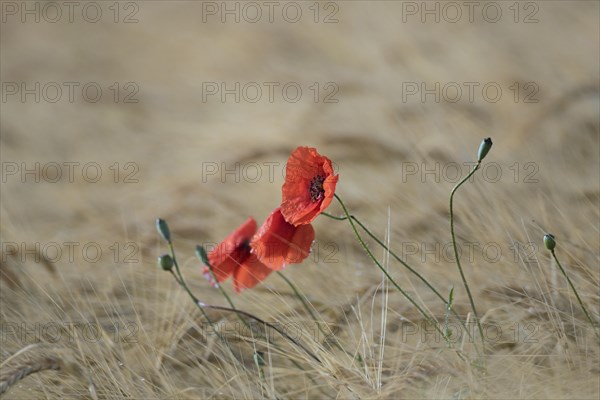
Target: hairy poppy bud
[[163, 229], [165, 262], [549, 241], [201, 253], [484, 148]]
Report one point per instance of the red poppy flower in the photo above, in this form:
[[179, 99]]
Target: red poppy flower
[[309, 186], [233, 257], [278, 243]]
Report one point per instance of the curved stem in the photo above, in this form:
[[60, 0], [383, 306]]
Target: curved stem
[[312, 314], [181, 281], [576, 294], [246, 324], [224, 293], [267, 324], [179, 278], [405, 264], [370, 254], [462, 274]]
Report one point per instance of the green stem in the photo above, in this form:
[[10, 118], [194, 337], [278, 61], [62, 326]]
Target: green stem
[[259, 362], [448, 309], [405, 264], [181, 281], [179, 278], [224, 293], [266, 324], [312, 314], [370, 254], [462, 275], [585, 311]]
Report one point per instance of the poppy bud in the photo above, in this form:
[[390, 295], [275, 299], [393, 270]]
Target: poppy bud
[[549, 241], [165, 262], [201, 253], [484, 148], [163, 229]]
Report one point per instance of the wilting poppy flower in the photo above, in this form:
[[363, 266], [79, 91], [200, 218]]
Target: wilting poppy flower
[[233, 257], [278, 243], [309, 186]]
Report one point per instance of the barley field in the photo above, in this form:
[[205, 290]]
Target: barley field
[[114, 114]]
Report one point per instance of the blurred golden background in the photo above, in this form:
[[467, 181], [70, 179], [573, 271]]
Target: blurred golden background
[[115, 113]]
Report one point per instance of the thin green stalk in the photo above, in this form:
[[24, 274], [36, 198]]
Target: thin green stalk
[[163, 230], [179, 278], [405, 264], [259, 361], [224, 293], [312, 314], [448, 309], [195, 299], [181, 281], [462, 274], [370, 254], [585, 311], [265, 323], [275, 328]]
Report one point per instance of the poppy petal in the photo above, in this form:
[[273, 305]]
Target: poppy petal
[[303, 164], [300, 244], [229, 254], [303, 214], [329, 188], [309, 186], [278, 243], [250, 273], [222, 270]]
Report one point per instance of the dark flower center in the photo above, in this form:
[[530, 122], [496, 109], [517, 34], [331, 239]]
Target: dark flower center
[[245, 246], [241, 252], [316, 188]]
